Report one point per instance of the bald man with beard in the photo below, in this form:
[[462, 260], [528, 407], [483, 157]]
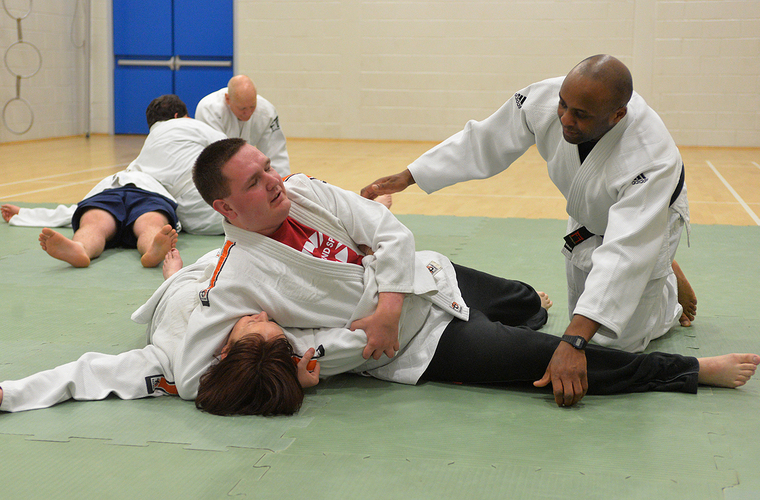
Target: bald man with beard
[[238, 111], [615, 162]]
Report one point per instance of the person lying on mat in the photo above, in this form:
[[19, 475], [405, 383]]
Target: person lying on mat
[[159, 178], [125, 216], [389, 312], [259, 373]]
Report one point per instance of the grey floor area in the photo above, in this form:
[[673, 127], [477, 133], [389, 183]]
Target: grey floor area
[[359, 438]]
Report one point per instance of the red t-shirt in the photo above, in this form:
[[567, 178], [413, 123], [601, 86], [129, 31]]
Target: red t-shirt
[[312, 242]]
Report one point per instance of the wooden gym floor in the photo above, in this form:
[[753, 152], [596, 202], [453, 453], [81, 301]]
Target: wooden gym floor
[[722, 182]]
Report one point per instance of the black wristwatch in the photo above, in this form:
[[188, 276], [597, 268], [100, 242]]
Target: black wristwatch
[[576, 341]]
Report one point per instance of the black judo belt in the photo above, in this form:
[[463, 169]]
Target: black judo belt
[[582, 234]]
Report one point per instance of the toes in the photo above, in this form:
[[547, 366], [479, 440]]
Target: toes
[[684, 320]]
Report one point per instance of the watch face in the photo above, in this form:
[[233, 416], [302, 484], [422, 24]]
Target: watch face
[[576, 341]]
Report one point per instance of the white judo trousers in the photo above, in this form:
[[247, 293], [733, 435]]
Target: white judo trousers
[[657, 311]]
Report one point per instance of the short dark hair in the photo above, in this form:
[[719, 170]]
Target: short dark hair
[[257, 377], [165, 108], [207, 171]]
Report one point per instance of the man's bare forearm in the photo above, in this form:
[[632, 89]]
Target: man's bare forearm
[[389, 185]]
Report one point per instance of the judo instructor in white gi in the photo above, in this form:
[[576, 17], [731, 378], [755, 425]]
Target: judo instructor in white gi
[[622, 175]]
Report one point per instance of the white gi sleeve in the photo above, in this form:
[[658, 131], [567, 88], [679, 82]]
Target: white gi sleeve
[[369, 223], [44, 217], [483, 149], [342, 347], [92, 377]]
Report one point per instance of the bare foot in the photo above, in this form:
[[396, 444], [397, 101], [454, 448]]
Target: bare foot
[[729, 370], [62, 248], [9, 211], [686, 296], [163, 241], [172, 263], [385, 199], [546, 302]]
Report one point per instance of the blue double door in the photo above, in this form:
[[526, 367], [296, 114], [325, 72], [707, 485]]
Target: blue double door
[[181, 47]]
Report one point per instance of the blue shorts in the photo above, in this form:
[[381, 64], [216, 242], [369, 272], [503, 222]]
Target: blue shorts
[[126, 204]]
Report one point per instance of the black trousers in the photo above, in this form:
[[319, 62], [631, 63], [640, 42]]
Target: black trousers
[[499, 344]]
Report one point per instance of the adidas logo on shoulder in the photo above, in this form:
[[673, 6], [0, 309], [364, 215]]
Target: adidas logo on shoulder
[[640, 179], [519, 100]]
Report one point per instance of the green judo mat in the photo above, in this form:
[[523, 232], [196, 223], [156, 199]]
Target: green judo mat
[[361, 438]]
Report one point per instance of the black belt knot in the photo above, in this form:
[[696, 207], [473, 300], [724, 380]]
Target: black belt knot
[[576, 237]]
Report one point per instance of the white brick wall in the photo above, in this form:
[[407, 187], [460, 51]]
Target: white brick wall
[[707, 68], [56, 93], [403, 69]]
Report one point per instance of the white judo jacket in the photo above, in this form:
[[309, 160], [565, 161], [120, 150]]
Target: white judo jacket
[[621, 192], [168, 155], [190, 316], [261, 130]]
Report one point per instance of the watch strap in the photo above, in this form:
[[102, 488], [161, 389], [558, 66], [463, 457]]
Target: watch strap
[[576, 341]]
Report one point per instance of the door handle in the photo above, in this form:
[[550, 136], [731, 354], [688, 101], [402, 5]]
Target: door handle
[[174, 63], [178, 63], [146, 62]]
